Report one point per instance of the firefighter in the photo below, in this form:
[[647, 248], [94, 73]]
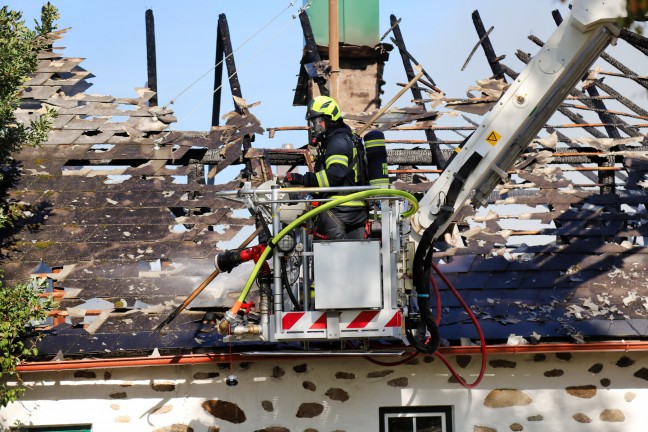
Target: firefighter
[[335, 165]]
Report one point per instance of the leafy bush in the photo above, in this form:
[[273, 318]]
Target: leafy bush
[[21, 306], [19, 47]]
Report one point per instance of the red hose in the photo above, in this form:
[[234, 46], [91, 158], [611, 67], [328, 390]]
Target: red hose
[[482, 340], [474, 320]]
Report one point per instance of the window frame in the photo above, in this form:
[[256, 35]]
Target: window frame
[[444, 411]]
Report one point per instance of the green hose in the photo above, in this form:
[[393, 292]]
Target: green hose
[[322, 208]]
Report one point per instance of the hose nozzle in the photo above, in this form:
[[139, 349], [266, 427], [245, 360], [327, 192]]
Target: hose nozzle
[[226, 261], [223, 326]]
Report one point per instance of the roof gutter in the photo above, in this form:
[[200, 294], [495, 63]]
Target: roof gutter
[[193, 359]]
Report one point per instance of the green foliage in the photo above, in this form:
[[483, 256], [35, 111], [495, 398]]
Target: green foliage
[[49, 14], [19, 47], [21, 307]]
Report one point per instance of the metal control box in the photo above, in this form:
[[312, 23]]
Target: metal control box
[[347, 274]]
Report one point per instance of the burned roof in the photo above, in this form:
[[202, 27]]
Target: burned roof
[[125, 224]]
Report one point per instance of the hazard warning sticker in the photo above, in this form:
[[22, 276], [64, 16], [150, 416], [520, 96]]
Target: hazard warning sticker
[[493, 138]]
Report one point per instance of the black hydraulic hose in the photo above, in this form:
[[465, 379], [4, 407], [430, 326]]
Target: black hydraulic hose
[[423, 255], [286, 285], [422, 265], [423, 259], [421, 276]]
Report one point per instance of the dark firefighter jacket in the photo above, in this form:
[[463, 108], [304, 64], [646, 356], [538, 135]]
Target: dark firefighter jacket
[[335, 155]]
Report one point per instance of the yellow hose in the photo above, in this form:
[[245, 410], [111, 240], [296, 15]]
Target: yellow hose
[[322, 208]]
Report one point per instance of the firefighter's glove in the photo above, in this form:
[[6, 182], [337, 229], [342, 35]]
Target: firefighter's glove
[[294, 179]]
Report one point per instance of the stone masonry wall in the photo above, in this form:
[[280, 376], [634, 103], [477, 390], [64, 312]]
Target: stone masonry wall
[[531, 392]]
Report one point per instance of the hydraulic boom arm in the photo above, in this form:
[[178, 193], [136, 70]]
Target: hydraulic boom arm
[[483, 160], [485, 157]]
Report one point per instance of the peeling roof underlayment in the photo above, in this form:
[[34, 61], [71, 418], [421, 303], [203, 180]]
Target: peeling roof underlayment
[[124, 226]]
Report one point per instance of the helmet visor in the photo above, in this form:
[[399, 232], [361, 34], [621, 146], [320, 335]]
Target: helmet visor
[[317, 125]]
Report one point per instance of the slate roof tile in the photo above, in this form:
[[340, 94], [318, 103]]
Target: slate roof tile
[[113, 234], [470, 280], [504, 280], [482, 264]]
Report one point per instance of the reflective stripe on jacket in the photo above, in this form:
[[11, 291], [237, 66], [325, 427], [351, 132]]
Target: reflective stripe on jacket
[[332, 167]]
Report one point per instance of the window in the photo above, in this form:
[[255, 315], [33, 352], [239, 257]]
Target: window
[[60, 428], [416, 419]]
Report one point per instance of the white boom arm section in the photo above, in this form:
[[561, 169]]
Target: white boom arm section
[[483, 160]]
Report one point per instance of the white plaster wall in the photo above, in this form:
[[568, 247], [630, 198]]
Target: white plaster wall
[[61, 398]]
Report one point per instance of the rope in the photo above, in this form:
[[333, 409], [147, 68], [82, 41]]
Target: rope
[[254, 55], [172, 101], [200, 102], [481, 41]]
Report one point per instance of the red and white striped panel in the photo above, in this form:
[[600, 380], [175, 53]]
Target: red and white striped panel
[[303, 321], [371, 320]]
